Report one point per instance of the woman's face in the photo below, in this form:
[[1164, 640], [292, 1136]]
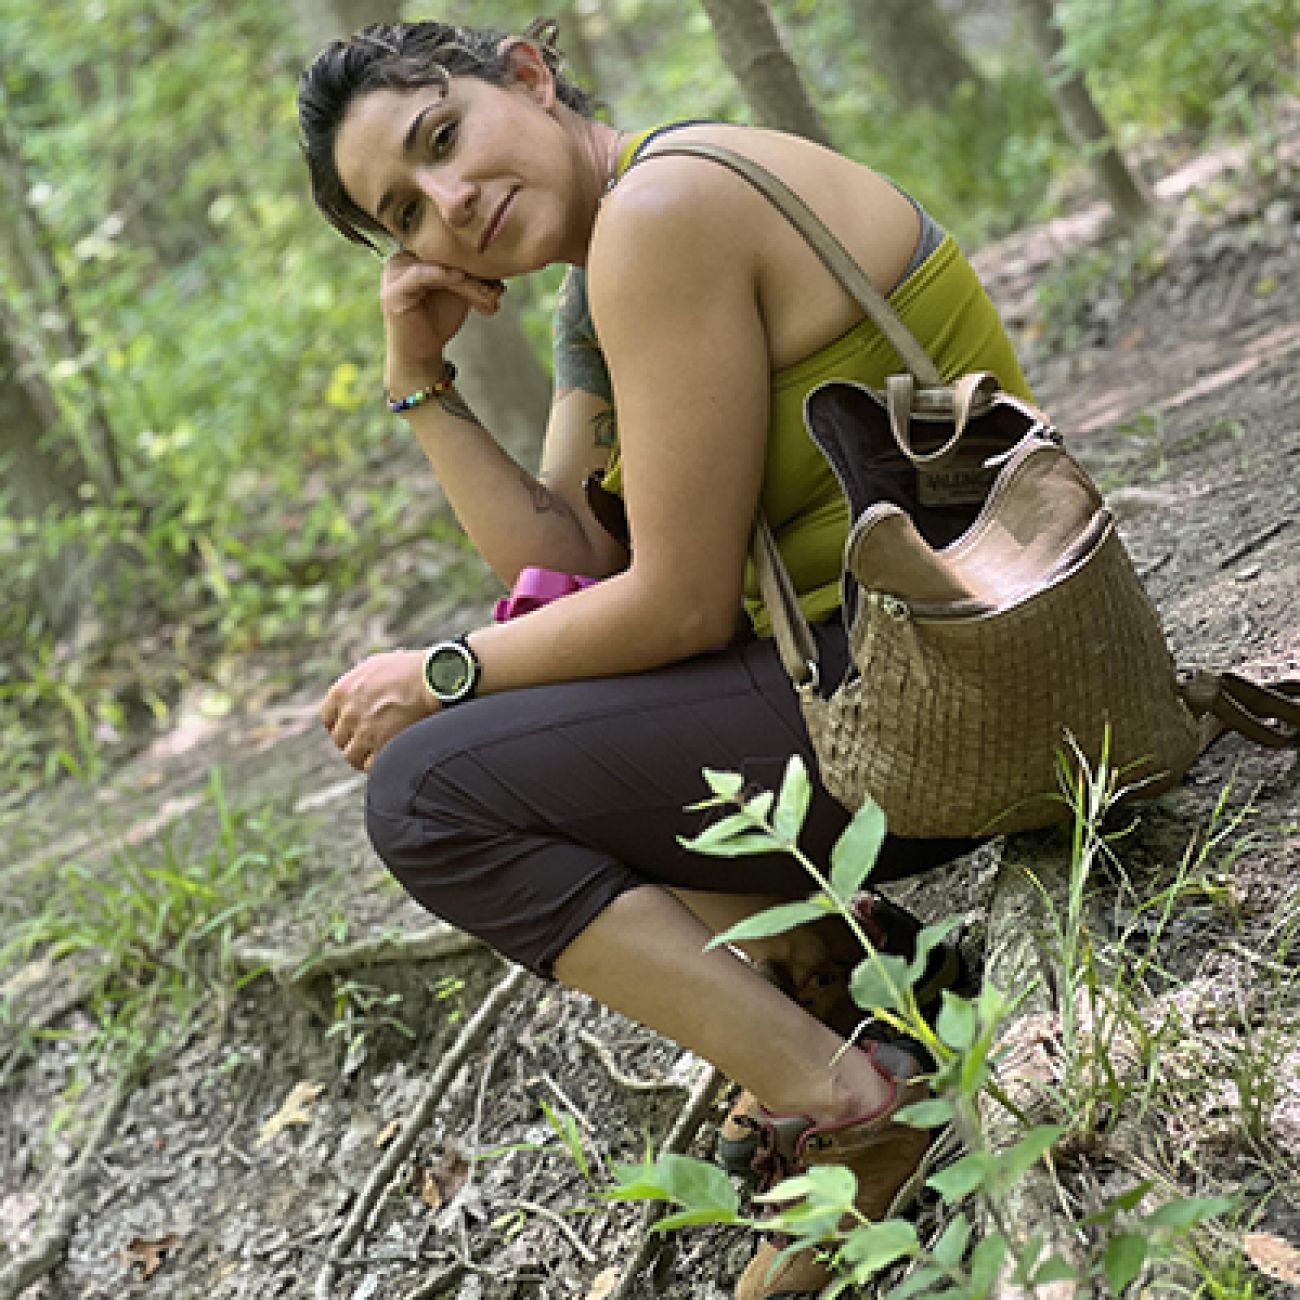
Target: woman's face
[[479, 177]]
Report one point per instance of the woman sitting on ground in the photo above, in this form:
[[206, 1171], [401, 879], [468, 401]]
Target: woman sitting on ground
[[529, 779]]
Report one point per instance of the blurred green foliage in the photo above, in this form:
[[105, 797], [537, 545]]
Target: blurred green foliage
[[232, 340]]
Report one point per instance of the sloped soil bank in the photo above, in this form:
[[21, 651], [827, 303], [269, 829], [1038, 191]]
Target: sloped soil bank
[[1183, 397]]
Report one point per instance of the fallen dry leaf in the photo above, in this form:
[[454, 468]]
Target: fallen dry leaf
[[430, 1192], [387, 1133], [440, 1181], [145, 1258], [1275, 1257], [603, 1284], [295, 1109]]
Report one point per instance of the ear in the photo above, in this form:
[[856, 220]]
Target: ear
[[526, 68]]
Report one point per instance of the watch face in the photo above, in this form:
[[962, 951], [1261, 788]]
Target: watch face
[[450, 671]]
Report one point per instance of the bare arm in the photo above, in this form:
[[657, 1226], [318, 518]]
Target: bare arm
[[675, 295], [513, 517], [674, 290]]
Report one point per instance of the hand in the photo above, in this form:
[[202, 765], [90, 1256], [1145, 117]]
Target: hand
[[424, 308], [370, 704]]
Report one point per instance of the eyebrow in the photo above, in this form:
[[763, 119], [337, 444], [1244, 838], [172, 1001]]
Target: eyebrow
[[408, 148]]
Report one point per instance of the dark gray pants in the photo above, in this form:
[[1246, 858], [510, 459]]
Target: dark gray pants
[[519, 817]]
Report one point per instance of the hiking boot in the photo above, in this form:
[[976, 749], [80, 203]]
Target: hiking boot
[[823, 991], [888, 1159]]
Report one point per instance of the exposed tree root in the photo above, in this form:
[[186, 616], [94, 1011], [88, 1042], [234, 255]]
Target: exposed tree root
[[475, 1030], [49, 1247], [618, 1074], [294, 968]]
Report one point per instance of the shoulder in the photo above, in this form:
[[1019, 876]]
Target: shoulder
[[673, 221]]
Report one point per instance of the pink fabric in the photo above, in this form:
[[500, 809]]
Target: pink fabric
[[535, 588]]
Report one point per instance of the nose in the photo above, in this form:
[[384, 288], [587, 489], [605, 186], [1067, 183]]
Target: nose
[[454, 198]]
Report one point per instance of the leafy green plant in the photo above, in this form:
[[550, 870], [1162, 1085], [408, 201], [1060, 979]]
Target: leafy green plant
[[163, 930], [361, 1011], [816, 1208]]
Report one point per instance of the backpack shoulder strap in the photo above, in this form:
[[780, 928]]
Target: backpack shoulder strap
[[833, 254], [1268, 715]]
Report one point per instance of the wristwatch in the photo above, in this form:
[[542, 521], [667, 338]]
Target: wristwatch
[[451, 671]]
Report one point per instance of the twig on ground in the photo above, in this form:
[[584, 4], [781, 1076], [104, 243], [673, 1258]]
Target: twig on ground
[[440, 1284], [565, 1101], [475, 1030], [1253, 543], [48, 1248], [616, 1072], [531, 1207], [680, 1136]]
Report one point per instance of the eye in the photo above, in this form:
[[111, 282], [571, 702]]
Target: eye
[[441, 140], [405, 220]]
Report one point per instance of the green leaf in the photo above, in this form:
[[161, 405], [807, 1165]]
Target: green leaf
[[1012, 1165], [697, 1184], [770, 921], [792, 805], [1027, 1258], [759, 806], [727, 785], [957, 1025], [910, 1285], [855, 852], [1125, 1254], [1121, 1204], [690, 1218], [986, 1263], [693, 1184], [737, 823], [951, 1247], [731, 845], [1056, 1268], [929, 939], [962, 1176], [878, 981], [875, 1245], [631, 1183], [1188, 1211], [926, 1114], [822, 1184]]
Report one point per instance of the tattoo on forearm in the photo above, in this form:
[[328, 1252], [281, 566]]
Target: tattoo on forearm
[[545, 502], [454, 404]]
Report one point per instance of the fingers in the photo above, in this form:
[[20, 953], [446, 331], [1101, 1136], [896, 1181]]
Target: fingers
[[408, 281], [373, 702]]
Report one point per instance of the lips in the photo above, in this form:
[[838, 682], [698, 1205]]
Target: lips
[[497, 220]]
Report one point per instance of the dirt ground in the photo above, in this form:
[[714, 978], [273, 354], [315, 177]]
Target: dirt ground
[[1175, 376]]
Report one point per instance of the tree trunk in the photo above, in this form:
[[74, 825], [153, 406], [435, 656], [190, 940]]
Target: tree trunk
[[500, 375], [36, 482], [27, 259], [1081, 117], [913, 46], [752, 49]]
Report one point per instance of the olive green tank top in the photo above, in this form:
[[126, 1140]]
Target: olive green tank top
[[944, 305]]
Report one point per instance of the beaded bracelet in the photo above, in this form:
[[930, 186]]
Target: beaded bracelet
[[436, 389]]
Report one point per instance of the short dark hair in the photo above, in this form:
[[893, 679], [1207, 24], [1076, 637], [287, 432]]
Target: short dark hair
[[400, 56]]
